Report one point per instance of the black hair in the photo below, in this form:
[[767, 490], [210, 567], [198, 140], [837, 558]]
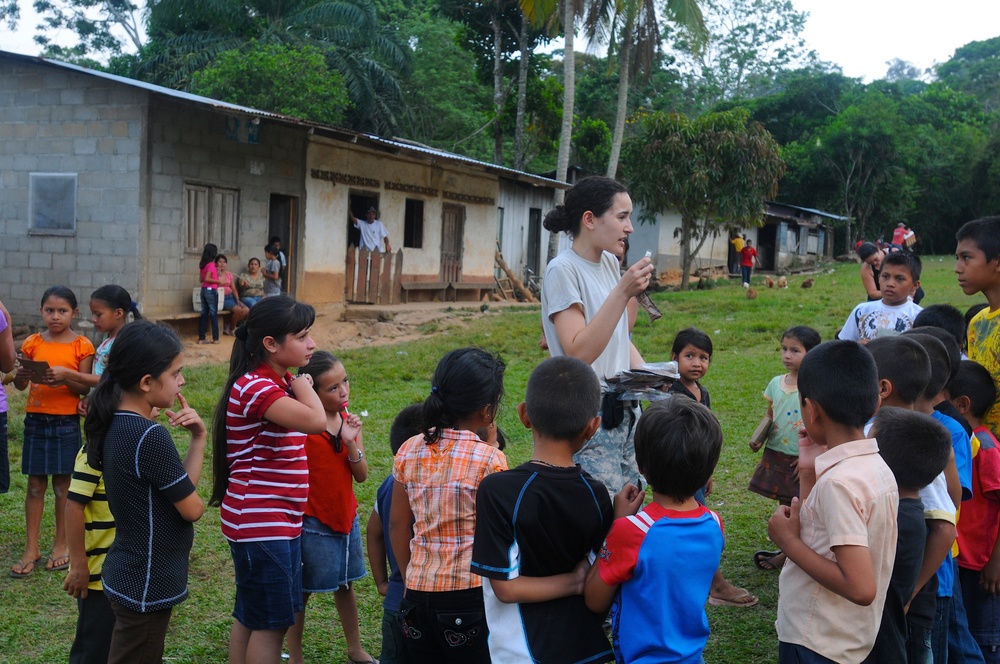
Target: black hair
[[408, 423], [483, 433], [905, 259], [946, 317], [62, 292], [222, 256], [274, 239], [677, 445], [276, 316], [915, 446], [320, 362], [974, 381], [951, 345], [985, 233], [562, 397], [253, 258], [271, 249], [595, 194], [208, 255], [694, 337], [805, 335], [940, 362], [117, 297], [867, 250], [141, 348], [840, 376], [904, 363], [465, 380]]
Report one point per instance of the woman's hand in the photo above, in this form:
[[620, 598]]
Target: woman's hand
[[636, 279]]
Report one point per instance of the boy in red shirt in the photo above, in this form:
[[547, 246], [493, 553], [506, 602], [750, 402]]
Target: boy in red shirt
[[748, 256]]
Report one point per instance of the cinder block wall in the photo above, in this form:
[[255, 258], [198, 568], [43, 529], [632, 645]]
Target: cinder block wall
[[54, 121]]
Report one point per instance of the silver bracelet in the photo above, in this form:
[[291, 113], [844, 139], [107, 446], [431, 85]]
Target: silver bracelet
[[361, 455]]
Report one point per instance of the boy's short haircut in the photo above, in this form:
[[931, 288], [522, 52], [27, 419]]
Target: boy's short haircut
[[940, 362], [677, 445], [974, 381], [840, 376], [275, 240], [985, 233], [905, 259], [970, 313], [945, 316], [408, 423], [271, 249], [950, 344], [915, 446], [562, 397], [904, 363], [694, 337]]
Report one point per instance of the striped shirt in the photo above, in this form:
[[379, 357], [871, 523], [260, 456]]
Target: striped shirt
[[87, 488], [268, 472], [441, 481]]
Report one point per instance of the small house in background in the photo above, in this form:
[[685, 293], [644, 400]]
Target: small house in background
[[790, 237], [105, 179]]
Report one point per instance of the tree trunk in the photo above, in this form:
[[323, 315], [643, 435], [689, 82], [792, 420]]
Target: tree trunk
[[624, 68], [569, 92], [498, 92], [524, 46], [685, 252]]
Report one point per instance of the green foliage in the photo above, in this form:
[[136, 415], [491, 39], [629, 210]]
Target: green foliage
[[592, 146], [277, 78], [975, 69], [716, 171]]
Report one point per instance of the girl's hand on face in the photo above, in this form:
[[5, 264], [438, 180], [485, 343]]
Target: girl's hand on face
[[352, 427], [186, 417], [637, 278]]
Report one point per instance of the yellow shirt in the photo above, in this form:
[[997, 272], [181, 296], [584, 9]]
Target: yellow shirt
[[984, 348]]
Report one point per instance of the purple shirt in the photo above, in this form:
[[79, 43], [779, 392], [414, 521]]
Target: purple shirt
[[3, 392]]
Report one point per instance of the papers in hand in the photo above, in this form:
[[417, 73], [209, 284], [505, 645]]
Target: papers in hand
[[646, 382], [37, 369]]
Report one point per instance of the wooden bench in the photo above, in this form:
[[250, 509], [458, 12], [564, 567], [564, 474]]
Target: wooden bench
[[457, 287], [408, 286]]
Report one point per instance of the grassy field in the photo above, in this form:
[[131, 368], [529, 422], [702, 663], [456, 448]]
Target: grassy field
[[38, 619]]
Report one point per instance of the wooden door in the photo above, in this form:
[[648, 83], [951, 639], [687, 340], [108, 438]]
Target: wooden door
[[452, 239]]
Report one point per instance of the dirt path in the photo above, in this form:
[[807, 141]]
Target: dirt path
[[364, 326]]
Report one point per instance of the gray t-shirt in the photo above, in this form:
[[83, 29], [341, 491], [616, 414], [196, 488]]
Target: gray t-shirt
[[271, 286], [570, 279]]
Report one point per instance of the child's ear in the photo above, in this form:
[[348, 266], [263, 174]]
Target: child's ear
[[522, 414], [962, 404], [270, 344], [145, 383], [885, 389], [591, 428]]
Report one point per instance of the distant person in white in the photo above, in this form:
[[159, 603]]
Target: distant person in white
[[372, 231]]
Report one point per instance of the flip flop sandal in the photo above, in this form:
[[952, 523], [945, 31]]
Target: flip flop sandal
[[26, 569], [762, 559], [744, 600], [58, 564]]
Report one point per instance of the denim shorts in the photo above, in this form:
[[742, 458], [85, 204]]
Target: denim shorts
[[330, 560], [268, 583], [229, 303], [983, 612], [50, 444]]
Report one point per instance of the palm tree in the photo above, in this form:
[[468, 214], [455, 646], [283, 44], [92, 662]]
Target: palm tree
[[187, 35], [634, 22]]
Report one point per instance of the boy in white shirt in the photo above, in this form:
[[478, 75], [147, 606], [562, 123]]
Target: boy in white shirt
[[894, 313]]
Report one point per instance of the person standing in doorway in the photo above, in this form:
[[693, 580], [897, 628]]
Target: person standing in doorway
[[373, 231]]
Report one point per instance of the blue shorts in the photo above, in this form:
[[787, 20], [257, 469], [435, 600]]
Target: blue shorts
[[268, 583], [229, 303], [330, 560], [250, 300], [50, 444]]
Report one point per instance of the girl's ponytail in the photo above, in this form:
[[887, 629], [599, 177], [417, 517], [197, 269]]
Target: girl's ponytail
[[465, 380], [117, 297], [277, 317], [142, 348]]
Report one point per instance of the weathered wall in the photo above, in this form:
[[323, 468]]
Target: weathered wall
[[54, 121], [335, 170], [659, 239], [188, 145]]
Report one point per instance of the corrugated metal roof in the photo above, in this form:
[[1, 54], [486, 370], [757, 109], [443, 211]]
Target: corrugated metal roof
[[394, 144], [821, 213]]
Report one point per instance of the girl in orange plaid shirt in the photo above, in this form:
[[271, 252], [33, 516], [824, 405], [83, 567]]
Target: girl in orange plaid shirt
[[436, 475]]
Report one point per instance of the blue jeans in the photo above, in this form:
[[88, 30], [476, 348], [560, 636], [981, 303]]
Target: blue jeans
[[939, 633], [209, 311], [791, 653], [962, 648], [983, 613], [746, 272], [918, 645], [268, 583]]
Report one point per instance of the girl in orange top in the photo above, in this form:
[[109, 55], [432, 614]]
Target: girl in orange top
[[51, 424], [332, 557]]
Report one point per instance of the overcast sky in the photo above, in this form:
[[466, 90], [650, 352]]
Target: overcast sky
[[859, 35]]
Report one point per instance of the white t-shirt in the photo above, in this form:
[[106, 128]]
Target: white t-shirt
[[570, 279], [869, 320], [372, 234]]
